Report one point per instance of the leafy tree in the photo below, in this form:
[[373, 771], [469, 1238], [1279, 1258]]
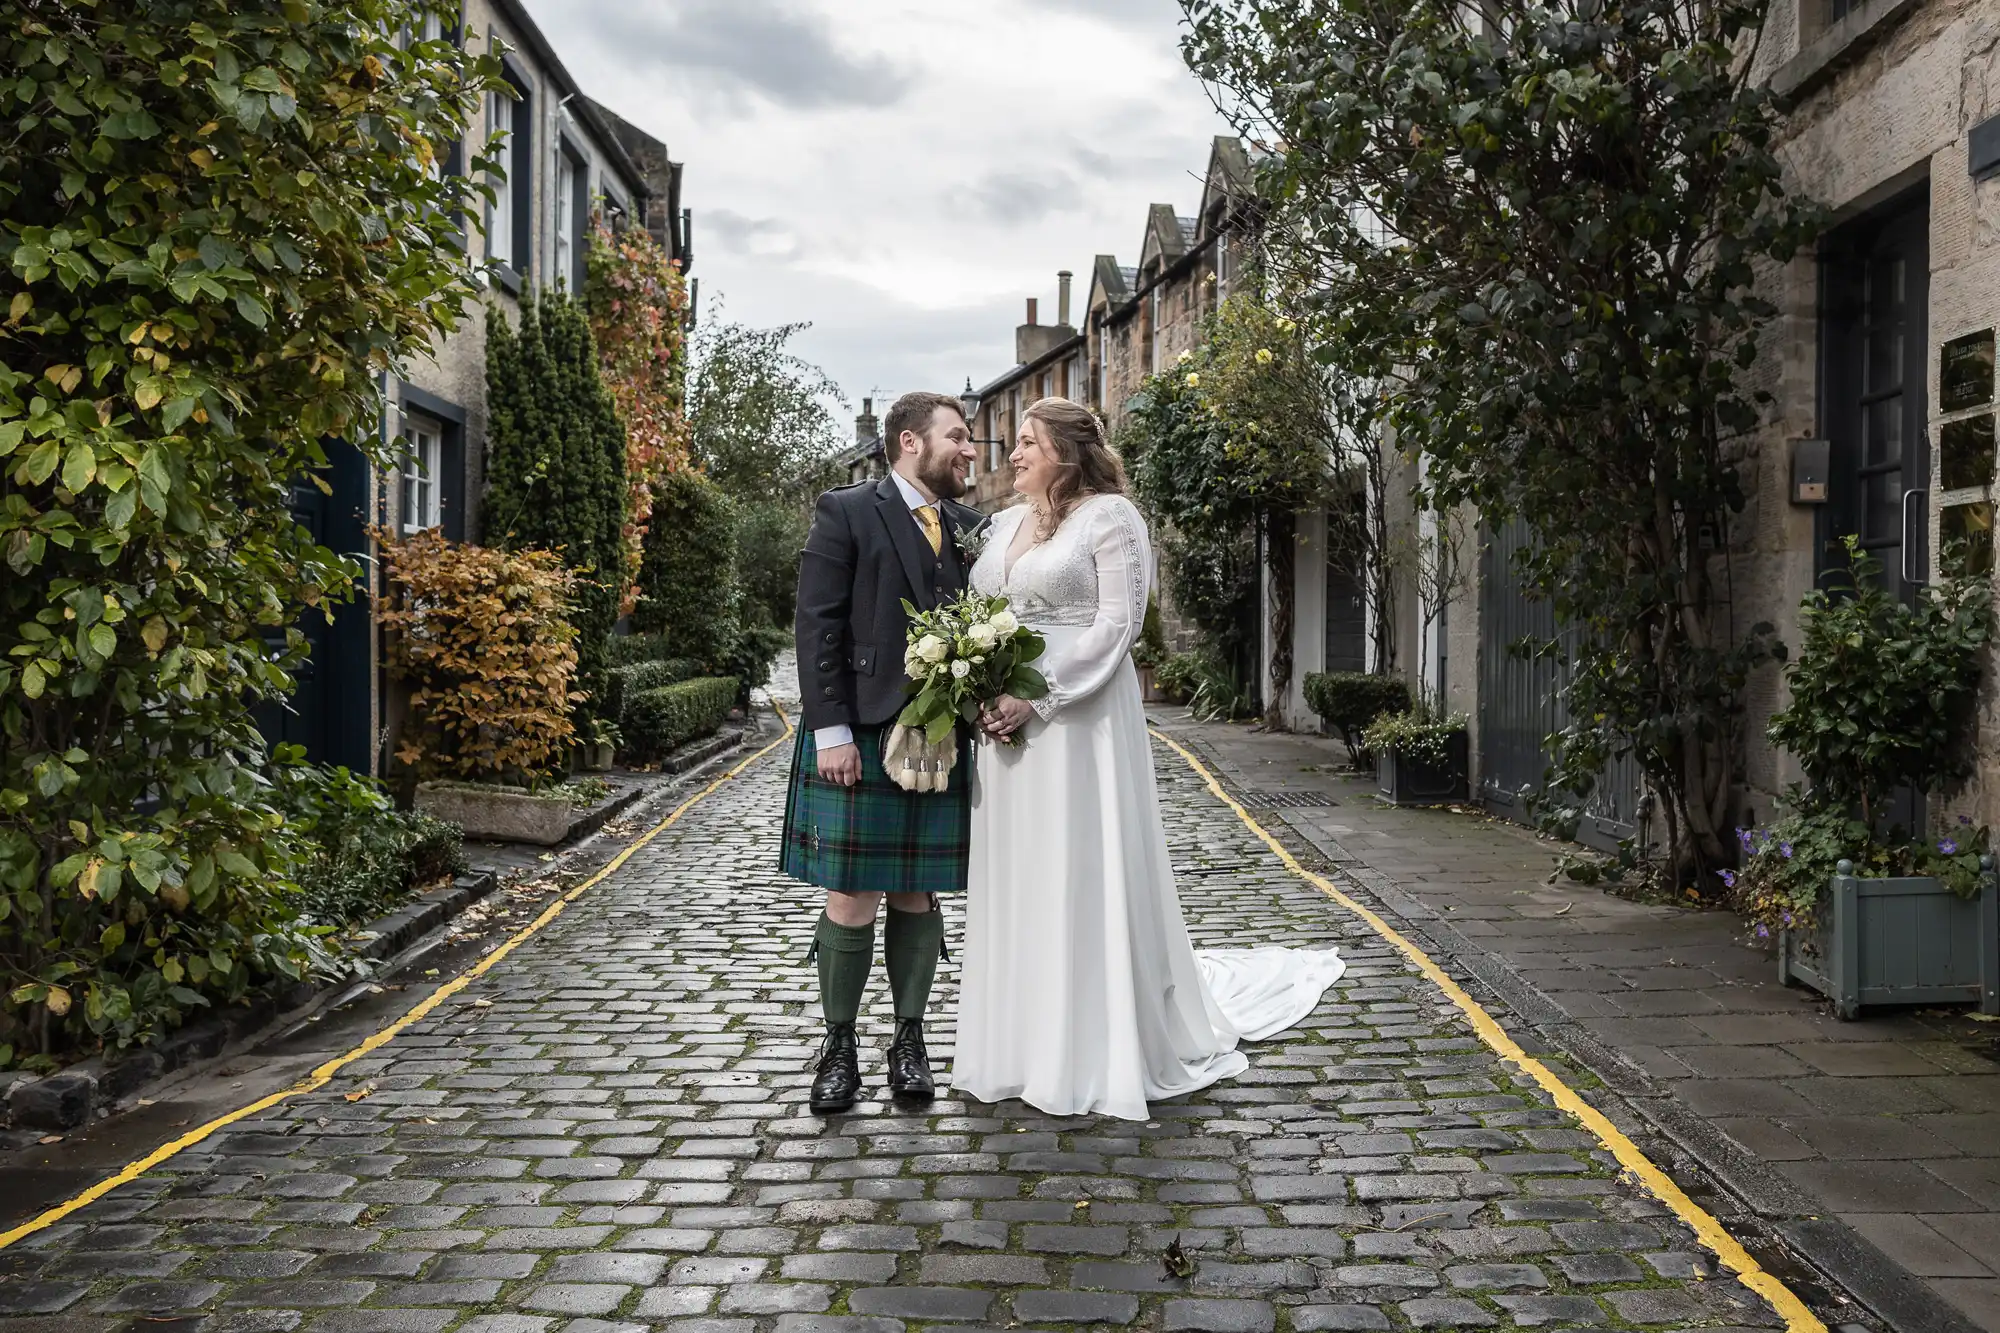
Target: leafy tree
[[1553, 218], [761, 425], [556, 464], [1229, 445], [218, 224]]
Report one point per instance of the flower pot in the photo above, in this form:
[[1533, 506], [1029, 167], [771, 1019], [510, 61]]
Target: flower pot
[[1898, 941], [1403, 779], [1149, 687], [594, 758]]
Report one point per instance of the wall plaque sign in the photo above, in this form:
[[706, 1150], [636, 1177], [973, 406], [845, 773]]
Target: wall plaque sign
[[1965, 372], [1965, 452], [1965, 538]]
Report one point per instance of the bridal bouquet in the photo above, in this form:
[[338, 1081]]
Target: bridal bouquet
[[962, 655]]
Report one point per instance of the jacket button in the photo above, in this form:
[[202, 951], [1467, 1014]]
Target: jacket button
[[825, 664], [827, 691], [940, 564], [829, 638]]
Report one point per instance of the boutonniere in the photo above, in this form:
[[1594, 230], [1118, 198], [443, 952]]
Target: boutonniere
[[971, 541]]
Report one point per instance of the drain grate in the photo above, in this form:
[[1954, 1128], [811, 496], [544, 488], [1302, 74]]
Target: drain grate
[[1292, 800]]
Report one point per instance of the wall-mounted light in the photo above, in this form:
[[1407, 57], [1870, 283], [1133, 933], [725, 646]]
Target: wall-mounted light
[[1811, 460]]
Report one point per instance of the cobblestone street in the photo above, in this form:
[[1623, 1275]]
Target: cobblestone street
[[607, 1131]]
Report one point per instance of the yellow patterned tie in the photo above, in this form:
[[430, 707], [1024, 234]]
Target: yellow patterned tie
[[927, 519]]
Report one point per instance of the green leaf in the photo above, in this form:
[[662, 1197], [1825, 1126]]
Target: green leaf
[[1024, 682], [103, 640], [80, 466], [40, 464]]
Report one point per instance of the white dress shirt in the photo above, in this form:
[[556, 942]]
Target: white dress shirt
[[825, 738]]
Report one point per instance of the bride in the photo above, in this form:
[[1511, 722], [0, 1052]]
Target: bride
[[1080, 991]]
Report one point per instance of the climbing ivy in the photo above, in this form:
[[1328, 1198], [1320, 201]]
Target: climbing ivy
[[219, 225], [638, 303]]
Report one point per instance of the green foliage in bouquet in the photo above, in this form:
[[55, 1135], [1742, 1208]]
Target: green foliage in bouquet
[[966, 653]]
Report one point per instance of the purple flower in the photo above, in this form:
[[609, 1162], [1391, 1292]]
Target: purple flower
[[1743, 836], [1965, 821], [1728, 877], [1786, 848], [1763, 932], [1948, 847], [1788, 918]]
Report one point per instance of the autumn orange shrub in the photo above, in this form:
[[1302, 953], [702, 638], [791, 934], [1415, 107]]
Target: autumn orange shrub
[[480, 636]]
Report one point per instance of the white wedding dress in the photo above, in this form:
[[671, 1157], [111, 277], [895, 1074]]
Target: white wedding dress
[[1080, 991]]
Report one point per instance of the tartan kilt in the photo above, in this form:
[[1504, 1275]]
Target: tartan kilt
[[874, 837]]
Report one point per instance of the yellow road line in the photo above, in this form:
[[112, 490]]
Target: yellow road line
[[323, 1075], [1710, 1232]]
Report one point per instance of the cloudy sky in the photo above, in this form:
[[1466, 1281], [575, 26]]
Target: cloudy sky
[[901, 173]]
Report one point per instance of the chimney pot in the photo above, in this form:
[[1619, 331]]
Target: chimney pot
[[867, 407], [1062, 297], [1031, 310]]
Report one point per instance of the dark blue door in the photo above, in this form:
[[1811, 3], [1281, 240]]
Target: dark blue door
[[329, 712]]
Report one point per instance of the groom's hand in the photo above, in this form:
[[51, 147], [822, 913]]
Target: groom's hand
[[841, 764]]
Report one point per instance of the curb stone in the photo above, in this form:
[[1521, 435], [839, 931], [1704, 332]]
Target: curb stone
[[1836, 1255]]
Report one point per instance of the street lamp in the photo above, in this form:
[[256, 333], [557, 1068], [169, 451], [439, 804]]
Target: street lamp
[[970, 401]]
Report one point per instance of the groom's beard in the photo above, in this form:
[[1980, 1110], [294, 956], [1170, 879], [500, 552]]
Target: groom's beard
[[944, 483]]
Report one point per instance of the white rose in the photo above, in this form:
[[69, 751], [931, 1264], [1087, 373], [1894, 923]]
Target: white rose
[[983, 634], [961, 668], [931, 648], [1003, 622]]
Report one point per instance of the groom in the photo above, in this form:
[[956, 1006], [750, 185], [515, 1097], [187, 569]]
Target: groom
[[848, 828]]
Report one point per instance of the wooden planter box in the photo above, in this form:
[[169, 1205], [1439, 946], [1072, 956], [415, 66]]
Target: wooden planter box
[[593, 758], [1149, 688], [1401, 780], [1898, 941]]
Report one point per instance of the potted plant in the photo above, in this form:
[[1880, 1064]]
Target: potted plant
[[1420, 757], [1867, 909], [595, 755], [1149, 653], [1348, 701]]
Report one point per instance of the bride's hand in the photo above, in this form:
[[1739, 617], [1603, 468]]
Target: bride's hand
[[1005, 715]]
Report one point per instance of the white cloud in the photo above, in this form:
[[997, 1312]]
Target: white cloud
[[901, 173]]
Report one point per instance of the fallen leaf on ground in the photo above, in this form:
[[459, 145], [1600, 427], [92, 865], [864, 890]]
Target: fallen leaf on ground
[[1984, 1018], [359, 1092], [1177, 1262], [1564, 909], [482, 1004], [50, 1138], [145, 1101]]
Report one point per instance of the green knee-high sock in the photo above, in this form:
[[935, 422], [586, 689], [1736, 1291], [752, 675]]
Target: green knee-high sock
[[845, 953], [910, 952]]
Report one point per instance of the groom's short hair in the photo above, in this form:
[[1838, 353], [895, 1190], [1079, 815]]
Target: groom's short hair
[[913, 412]]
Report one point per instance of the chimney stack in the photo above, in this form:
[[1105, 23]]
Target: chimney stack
[[866, 430], [1062, 297], [1031, 312]]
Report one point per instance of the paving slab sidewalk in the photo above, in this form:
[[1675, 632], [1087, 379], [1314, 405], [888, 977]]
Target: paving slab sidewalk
[[1890, 1123]]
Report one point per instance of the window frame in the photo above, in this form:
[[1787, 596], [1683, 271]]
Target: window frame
[[420, 475]]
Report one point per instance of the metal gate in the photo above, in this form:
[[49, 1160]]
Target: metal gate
[[1523, 701]]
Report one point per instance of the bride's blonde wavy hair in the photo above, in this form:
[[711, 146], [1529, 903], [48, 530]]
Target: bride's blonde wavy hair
[[1085, 463]]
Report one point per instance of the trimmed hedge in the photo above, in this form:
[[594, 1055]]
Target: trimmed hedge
[[623, 684], [626, 649], [1348, 701], [658, 720]]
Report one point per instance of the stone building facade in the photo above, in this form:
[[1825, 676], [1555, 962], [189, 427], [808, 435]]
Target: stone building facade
[[567, 160]]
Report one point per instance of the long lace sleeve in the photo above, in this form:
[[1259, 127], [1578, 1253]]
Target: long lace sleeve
[[1123, 555]]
